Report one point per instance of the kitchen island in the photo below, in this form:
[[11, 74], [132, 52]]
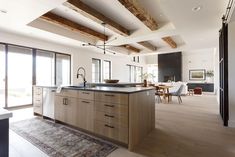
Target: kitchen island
[[122, 114], [4, 132]]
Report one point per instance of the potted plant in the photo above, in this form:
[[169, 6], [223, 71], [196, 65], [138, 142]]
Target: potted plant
[[147, 77]]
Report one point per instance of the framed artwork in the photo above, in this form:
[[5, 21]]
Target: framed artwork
[[197, 74]]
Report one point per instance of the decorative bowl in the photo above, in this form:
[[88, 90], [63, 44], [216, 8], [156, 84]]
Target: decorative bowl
[[111, 81]]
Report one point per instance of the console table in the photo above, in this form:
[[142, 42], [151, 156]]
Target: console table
[[206, 87]]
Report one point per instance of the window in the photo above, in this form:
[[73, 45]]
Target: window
[[106, 69], [19, 80], [62, 69], [21, 67], [135, 73], [96, 70], [45, 68], [153, 69], [2, 76], [136, 59]]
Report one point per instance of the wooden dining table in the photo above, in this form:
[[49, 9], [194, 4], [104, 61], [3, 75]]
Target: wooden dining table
[[165, 90]]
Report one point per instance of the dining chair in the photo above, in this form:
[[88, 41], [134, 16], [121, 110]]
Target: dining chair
[[158, 93], [178, 93]]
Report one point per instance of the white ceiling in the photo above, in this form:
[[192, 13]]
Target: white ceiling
[[190, 30]]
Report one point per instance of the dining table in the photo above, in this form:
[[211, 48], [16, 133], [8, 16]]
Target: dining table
[[165, 91]]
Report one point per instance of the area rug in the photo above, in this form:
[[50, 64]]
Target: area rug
[[57, 140]]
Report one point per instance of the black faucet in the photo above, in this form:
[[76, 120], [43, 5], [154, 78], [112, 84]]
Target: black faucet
[[82, 75]]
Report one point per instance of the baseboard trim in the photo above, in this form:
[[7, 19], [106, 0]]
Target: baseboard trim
[[231, 124]]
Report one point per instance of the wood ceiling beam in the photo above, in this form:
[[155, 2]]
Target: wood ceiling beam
[[140, 13], [148, 45], [96, 16], [170, 42], [70, 25], [131, 48]]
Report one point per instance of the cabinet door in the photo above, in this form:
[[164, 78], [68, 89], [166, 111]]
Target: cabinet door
[[66, 109], [85, 114]]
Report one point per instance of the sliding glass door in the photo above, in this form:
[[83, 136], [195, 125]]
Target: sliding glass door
[[22, 67], [2, 76], [19, 76], [62, 69], [45, 65]]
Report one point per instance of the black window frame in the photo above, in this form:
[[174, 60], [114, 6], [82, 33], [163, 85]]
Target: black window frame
[[34, 52], [99, 60], [110, 68]]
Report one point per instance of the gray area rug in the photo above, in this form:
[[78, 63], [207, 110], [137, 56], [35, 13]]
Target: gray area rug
[[57, 140]]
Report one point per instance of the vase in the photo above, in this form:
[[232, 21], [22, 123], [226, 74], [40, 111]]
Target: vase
[[145, 83]]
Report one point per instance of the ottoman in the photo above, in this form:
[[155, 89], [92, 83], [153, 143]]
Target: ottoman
[[198, 90]]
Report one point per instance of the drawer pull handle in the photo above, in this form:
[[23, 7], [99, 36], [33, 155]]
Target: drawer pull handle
[[85, 93], [65, 101], [109, 105], [86, 102], [109, 95], [106, 115], [106, 125]]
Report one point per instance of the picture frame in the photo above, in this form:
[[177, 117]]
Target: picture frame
[[197, 74]]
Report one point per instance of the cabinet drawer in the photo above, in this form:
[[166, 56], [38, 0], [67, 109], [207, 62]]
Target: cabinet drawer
[[111, 97], [110, 131], [37, 109], [37, 90], [68, 93], [111, 108], [37, 102], [85, 114], [86, 95], [113, 119]]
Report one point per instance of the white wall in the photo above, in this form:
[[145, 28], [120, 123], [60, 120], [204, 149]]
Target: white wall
[[231, 73], [197, 59], [80, 56]]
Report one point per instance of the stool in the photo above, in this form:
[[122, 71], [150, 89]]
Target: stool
[[190, 91], [198, 90]]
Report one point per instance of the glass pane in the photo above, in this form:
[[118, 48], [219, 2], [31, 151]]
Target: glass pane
[[2, 76], [45, 68], [62, 69], [153, 69], [96, 70], [19, 76], [107, 69], [138, 74]]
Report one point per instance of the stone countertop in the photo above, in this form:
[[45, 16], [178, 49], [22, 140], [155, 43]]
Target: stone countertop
[[119, 84], [114, 89], [4, 114]]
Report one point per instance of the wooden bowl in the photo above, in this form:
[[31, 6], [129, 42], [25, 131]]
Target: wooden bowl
[[111, 81]]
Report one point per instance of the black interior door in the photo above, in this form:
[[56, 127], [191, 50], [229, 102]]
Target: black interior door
[[223, 67]]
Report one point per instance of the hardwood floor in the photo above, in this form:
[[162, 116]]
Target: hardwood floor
[[191, 129]]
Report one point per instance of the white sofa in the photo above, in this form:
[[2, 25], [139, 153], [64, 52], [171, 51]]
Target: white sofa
[[176, 86]]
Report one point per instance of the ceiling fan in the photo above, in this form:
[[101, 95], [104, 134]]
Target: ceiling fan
[[104, 45]]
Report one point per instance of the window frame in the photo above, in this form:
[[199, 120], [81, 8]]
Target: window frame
[[110, 69], [134, 67], [99, 60], [34, 52]]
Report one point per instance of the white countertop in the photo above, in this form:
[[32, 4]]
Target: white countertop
[[4, 114]]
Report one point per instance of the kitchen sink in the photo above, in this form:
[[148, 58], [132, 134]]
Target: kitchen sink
[[74, 87]]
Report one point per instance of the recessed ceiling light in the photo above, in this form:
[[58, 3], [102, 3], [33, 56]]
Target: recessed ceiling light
[[197, 8], [3, 11]]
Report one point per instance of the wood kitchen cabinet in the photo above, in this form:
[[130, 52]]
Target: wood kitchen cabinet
[[75, 108], [66, 109], [126, 117], [37, 100], [85, 114]]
